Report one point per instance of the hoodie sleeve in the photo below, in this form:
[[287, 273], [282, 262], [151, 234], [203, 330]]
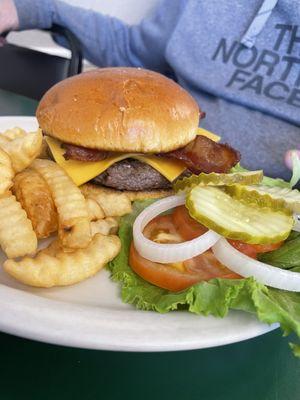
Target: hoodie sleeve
[[108, 41]]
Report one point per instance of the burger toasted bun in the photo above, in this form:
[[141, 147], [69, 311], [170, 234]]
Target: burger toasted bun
[[148, 194], [90, 188], [120, 109]]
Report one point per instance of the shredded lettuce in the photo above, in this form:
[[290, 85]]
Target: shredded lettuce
[[215, 297]]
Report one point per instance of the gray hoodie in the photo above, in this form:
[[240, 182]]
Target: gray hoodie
[[239, 59]]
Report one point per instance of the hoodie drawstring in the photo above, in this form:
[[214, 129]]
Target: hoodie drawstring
[[258, 23]]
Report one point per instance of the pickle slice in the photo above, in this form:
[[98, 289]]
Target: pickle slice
[[250, 196], [276, 197], [215, 179], [234, 219]]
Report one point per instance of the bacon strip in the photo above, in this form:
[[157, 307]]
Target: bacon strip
[[201, 155], [205, 155], [83, 154]]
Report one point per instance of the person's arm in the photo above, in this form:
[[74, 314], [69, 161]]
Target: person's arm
[[8, 16], [108, 41]]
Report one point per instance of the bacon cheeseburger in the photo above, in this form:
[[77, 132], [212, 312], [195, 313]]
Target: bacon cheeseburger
[[128, 129]]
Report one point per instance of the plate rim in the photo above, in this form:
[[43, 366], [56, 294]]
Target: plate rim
[[23, 315], [26, 311]]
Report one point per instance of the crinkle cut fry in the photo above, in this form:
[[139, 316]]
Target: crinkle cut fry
[[112, 202], [6, 172], [54, 266], [105, 226], [22, 147], [32, 191], [17, 237], [13, 133], [94, 209], [73, 217]]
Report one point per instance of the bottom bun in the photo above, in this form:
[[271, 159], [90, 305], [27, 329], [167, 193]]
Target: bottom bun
[[150, 194], [88, 188]]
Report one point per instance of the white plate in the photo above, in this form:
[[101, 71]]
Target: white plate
[[91, 314]]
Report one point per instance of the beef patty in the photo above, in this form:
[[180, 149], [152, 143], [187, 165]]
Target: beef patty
[[133, 175]]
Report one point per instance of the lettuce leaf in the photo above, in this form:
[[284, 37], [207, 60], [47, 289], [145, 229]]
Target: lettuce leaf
[[215, 297], [287, 256]]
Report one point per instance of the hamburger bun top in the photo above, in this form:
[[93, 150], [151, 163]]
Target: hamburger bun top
[[120, 109]]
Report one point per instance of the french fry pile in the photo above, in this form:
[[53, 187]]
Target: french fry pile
[[38, 199]]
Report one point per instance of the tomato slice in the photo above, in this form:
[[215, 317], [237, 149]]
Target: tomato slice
[[187, 227], [252, 250], [265, 248], [208, 263], [163, 275], [177, 276]]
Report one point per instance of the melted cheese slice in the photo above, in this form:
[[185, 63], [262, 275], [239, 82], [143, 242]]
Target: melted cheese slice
[[83, 171], [208, 134]]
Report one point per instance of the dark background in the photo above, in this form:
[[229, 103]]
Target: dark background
[[262, 369]]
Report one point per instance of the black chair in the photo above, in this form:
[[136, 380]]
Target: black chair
[[31, 73]]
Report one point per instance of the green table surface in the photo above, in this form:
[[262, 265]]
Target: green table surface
[[262, 368]]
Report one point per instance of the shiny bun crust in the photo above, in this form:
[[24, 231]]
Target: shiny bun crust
[[120, 109]]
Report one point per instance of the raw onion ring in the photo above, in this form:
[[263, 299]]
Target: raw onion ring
[[247, 266], [168, 253]]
